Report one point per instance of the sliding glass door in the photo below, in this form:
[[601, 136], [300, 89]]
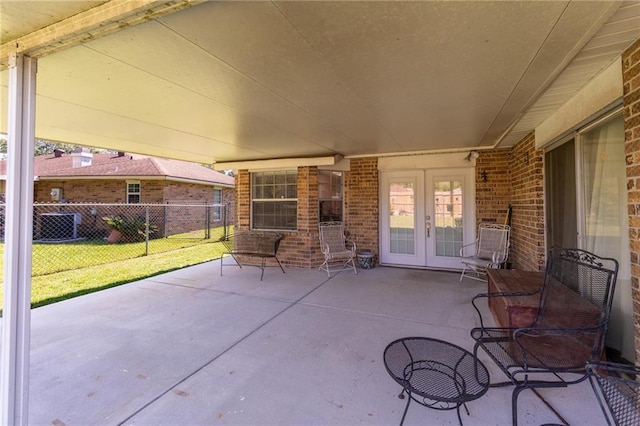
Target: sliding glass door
[[586, 207]]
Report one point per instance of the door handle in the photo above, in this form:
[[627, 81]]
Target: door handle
[[428, 226]]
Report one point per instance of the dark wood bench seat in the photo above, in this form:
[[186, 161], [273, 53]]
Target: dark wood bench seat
[[520, 311], [514, 311]]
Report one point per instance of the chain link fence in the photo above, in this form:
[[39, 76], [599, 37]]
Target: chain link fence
[[70, 236]]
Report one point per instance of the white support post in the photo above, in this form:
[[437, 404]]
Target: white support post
[[16, 321]]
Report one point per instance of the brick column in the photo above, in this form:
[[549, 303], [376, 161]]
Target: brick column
[[243, 200], [361, 203], [631, 115]]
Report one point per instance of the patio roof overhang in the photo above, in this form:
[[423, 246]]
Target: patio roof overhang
[[217, 82], [235, 81]]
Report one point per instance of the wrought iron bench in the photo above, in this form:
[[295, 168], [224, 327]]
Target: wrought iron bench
[[252, 248], [554, 349]]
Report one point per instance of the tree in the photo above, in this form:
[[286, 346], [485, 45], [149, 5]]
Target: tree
[[43, 147]]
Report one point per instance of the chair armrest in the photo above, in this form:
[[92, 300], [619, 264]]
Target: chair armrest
[[499, 294], [593, 367], [465, 246], [353, 245], [537, 345]]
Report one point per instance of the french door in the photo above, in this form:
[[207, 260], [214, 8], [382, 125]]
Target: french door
[[426, 216]]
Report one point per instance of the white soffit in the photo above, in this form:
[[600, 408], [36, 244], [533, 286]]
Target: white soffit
[[426, 161], [600, 93], [596, 57], [280, 163]]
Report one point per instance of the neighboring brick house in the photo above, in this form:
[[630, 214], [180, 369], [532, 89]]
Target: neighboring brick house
[[122, 178]]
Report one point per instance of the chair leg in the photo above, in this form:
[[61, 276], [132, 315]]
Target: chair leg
[[280, 265], [514, 404], [353, 265], [406, 408], [325, 267]]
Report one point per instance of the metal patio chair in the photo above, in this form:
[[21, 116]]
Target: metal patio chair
[[339, 253], [568, 330], [617, 386], [489, 250]]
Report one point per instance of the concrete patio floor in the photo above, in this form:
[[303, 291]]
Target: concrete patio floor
[[192, 348]]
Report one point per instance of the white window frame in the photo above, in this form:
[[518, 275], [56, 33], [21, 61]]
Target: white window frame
[[339, 198], [132, 193], [217, 199], [269, 193]]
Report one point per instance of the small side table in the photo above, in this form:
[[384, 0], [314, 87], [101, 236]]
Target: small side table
[[435, 373]]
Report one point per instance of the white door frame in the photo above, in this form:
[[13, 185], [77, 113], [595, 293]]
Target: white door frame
[[424, 250]]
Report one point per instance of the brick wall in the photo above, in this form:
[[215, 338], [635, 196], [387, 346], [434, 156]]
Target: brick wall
[[362, 203], [301, 248], [631, 114], [243, 200], [515, 176], [493, 195], [527, 201]]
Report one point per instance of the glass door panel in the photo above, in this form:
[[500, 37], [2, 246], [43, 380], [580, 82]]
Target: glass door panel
[[402, 218], [402, 200], [450, 215]]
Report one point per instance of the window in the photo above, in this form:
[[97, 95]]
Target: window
[[274, 200], [133, 192], [330, 195], [217, 199]]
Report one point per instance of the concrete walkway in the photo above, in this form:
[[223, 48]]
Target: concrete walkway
[[193, 348]]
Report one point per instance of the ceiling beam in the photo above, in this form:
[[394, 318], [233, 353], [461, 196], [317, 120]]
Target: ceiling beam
[[90, 24]]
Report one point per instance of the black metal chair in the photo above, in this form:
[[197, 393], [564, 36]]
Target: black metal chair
[[568, 331], [617, 387]]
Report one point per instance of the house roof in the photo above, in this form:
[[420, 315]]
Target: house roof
[[211, 81], [115, 166]]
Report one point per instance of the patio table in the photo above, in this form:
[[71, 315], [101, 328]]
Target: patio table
[[435, 373]]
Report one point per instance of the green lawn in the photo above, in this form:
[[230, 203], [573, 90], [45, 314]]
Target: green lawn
[[82, 268]]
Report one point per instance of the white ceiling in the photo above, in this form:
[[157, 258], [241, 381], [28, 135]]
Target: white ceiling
[[231, 81]]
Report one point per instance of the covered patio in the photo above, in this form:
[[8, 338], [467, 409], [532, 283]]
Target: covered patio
[[191, 347], [353, 104]]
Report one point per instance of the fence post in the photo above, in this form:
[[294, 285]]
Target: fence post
[[146, 231], [224, 222], [207, 221]]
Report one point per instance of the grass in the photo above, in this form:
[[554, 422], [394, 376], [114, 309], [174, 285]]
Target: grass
[[84, 272]]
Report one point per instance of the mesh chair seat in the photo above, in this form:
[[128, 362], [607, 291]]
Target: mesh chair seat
[[339, 254], [489, 250]]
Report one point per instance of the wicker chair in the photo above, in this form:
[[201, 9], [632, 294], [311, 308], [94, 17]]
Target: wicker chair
[[339, 254], [489, 250]]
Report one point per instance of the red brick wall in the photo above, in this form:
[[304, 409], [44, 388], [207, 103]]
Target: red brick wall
[[493, 196], [527, 199], [301, 248], [631, 114], [515, 176], [362, 203], [243, 200]]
